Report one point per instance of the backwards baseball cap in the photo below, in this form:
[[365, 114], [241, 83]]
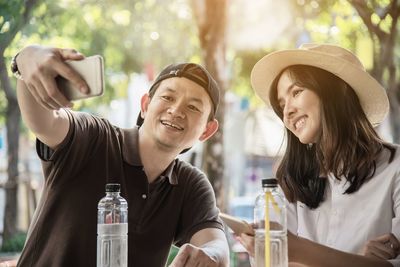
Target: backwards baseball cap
[[193, 72]]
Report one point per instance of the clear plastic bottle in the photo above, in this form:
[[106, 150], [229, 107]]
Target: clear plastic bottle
[[276, 208], [112, 229]]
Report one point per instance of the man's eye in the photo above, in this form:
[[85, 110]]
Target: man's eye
[[167, 98], [194, 108]]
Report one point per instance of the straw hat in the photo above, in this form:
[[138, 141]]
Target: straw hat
[[332, 58]]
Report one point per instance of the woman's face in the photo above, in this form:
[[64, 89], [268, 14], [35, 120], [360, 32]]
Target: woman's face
[[301, 108]]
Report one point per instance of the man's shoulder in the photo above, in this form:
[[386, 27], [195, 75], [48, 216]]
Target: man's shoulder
[[184, 167], [190, 175]]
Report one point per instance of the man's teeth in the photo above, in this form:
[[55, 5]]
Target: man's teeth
[[300, 123], [172, 125]]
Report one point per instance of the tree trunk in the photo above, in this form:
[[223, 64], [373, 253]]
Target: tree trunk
[[211, 21], [384, 44], [13, 118]]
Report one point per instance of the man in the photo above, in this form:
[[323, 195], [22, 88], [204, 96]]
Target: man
[[169, 201]]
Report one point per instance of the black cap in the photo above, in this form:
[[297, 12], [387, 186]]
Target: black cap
[[113, 187], [269, 182], [193, 72]]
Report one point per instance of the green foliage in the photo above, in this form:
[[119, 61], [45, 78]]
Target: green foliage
[[128, 33], [14, 244], [243, 63], [172, 254]]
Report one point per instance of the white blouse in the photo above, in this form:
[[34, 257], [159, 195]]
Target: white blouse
[[347, 221]]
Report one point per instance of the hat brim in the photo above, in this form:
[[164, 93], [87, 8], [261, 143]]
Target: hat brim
[[371, 94]]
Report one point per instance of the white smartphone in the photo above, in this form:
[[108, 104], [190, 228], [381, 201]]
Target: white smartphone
[[92, 71], [237, 225]]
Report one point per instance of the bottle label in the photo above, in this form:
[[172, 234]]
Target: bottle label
[[112, 229], [112, 245]]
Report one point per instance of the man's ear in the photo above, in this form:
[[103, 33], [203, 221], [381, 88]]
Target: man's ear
[[144, 104], [211, 128]]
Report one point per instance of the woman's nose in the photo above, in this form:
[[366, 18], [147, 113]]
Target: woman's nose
[[288, 110]]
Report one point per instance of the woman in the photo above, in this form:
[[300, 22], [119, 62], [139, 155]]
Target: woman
[[342, 179]]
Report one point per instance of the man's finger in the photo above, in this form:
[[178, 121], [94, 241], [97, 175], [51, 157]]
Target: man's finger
[[71, 54], [181, 258], [54, 93], [63, 69]]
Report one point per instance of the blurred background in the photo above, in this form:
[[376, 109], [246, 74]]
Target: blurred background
[[137, 38]]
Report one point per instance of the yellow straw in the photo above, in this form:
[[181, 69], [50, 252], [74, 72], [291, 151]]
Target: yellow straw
[[268, 198], [266, 224], [274, 204]]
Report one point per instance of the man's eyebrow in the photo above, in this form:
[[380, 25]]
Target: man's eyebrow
[[195, 99], [169, 89]]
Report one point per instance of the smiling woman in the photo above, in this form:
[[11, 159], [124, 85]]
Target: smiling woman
[[299, 106], [335, 164]]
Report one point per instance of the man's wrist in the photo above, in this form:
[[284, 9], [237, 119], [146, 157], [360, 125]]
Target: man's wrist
[[14, 68]]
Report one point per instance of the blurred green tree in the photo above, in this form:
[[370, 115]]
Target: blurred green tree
[[130, 34], [367, 27], [14, 15]]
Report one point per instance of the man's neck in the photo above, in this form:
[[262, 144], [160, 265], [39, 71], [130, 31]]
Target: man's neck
[[154, 159]]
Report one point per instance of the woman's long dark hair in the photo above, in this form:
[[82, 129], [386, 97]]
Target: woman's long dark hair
[[348, 145]]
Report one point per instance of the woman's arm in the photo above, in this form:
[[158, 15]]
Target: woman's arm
[[309, 253]]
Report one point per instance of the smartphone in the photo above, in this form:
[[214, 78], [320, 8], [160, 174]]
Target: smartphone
[[237, 225], [92, 71]]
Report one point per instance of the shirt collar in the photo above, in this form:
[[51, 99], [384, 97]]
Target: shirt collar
[[130, 153]]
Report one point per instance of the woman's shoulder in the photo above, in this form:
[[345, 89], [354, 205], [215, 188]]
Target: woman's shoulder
[[394, 150], [389, 157]]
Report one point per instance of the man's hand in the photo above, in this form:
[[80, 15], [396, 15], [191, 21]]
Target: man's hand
[[248, 243], [10, 263], [190, 255], [39, 66], [384, 247], [207, 247]]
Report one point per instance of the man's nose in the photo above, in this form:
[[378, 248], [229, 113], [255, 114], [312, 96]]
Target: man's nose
[[177, 110]]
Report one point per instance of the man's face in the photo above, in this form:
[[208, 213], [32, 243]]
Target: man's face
[[177, 115]]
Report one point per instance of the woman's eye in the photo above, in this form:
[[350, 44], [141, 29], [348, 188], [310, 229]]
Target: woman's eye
[[296, 92]]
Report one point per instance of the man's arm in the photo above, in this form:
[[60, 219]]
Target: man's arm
[[207, 247], [39, 98]]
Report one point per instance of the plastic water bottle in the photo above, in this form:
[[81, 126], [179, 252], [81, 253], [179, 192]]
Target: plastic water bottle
[[271, 200], [112, 229]]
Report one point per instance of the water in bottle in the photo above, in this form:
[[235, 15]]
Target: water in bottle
[[112, 229], [271, 200]]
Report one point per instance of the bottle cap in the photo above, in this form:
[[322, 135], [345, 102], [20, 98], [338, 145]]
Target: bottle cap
[[113, 187], [269, 182]]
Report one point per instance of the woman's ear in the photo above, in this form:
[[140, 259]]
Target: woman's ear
[[144, 104], [211, 128]]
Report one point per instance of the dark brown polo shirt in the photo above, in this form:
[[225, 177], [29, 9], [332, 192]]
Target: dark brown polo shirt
[[64, 229]]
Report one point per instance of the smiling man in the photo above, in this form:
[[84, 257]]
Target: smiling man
[[170, 201]]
